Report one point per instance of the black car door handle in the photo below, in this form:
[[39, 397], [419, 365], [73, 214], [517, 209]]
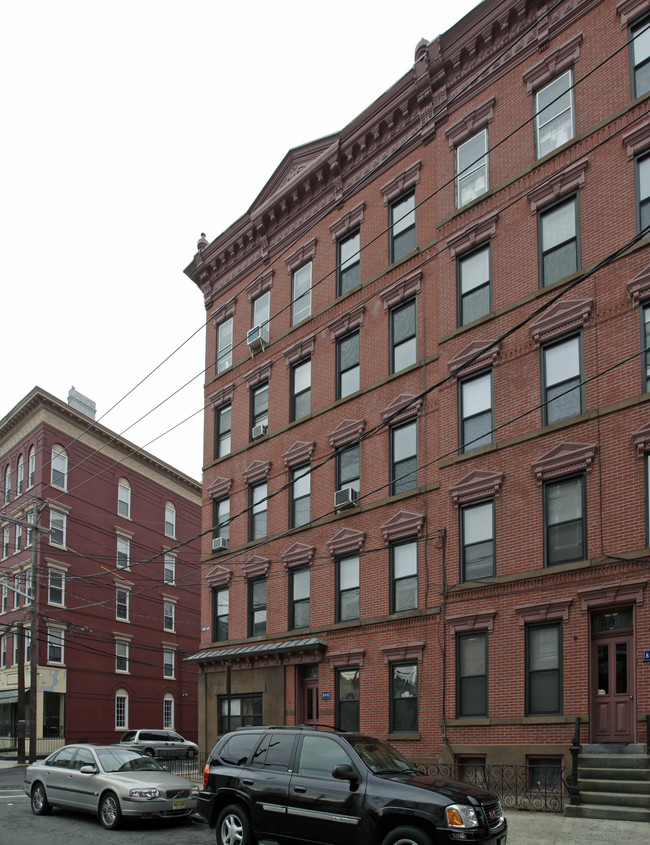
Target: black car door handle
[[300, 789], [248, 781]]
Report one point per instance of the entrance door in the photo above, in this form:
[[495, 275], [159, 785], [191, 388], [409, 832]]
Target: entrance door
[[307, 694], [612, 679]]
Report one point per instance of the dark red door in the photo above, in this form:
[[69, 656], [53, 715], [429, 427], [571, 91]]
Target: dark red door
[[612, 693]]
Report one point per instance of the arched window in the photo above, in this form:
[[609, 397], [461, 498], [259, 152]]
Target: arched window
[[59, 467], [31, 467], [124, 498], [121, 710], [170, 520], [20, 480], [168, 711], [7, 483]]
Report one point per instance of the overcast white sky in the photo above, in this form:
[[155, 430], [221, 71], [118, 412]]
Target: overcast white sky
[[128, 128]]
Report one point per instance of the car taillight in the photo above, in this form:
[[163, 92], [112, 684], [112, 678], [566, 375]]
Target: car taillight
[[206, 772]]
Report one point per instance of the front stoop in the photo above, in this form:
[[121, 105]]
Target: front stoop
[[614, 783]]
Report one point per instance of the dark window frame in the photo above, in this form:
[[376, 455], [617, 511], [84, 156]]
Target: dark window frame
[[553, 417], [296, 396], [343, 593], [537, 111], [396, 723], [475, 166], [642, 202], [296, 604], [645, 344], [295, 474], [530, 708], [348, 710], [398, 479], [396, 581], [254, 595], [340, 370], [464, 297], [348, 277], [252, 505], [259, 415], [220, 527], [543, 254], [396, 251], [407, 339], [633, 31], [548, 485], [464, 546], [220, 621], [253, 719], [345, 480], [464, 444], [467, 705]]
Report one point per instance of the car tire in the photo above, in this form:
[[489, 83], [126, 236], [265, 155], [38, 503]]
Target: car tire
[[233, 827], [40, 805], [407, 835], [150, 752], [110, 814]]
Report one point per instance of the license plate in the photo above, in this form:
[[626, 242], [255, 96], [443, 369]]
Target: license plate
[[179, 805]]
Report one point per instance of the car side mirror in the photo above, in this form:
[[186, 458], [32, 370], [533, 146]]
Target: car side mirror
[[345, 772], [88, 770]]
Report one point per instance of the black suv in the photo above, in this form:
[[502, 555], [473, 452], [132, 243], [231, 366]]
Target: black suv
[[302, 785]]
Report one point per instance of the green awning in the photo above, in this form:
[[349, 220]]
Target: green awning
[[256, 650]]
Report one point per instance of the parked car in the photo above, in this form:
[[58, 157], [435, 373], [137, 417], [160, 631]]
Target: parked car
[[110, 781], [302, 785], [160, 743]]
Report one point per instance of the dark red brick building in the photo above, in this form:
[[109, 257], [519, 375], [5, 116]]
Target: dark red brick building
[[427, 445], [116, 589]]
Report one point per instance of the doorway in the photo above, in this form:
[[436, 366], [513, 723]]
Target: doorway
[[307, 694], [611, 677]]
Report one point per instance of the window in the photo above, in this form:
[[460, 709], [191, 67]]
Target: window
[[259, 407], [17, 590], [299, 580], [220, 614], [55, 641], [472, 168], [645, 342], [170, 520], [224, 345], [123, 551], [6, 541], [554, 120], [349, 262], [300, 493], [7, 483], [404, 576], [168, 711], [640, 48], [31, 467], [301, 389], [403, 340], [169, 616], [471, 674], [543, 669], [221, 519], [31, 517], [474, 288], [122, 604], [348, 467], [348, 593], [56, 587], [121, 656], [20, 480], [403, 697], [475, 411], [347, 700], [258, 504], [402, 227], [301, 305], [169, 662], [348, 365], [403, 457], [121, 710], [564, 520], [124, 499], [235, 711], [4, 596], [59, 467], [169, 568], [28, 587], [261, 309], [3, 652], [222, 431], [19, 538], [477, 541], [643, 192], [558, 235], [27, 634], [58, 524], [562, 374], [257, 607], [545, 774]]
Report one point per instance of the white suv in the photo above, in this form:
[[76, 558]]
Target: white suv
[[160, 743]]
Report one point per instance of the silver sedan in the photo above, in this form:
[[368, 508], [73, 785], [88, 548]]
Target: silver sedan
[[110, 781]]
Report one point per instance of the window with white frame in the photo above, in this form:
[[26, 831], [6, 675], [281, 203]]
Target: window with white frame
[[58, 528], [472, 177], [301, 303], [4, 596], [6, 541], [170, 520], [562, 379], [169, 615], [56, 587], [19, 537], [124, 498], [123, 551], [31, 467], [224, 345], [31, 517], [122, 601], [220, 613], [29, 589], [121, 710], [3, 651], [55, 645], [20, 480], [554, 114], [27, 636], [121, 656], [169, 568], [640, 48], [17, 590], [59, 467], [7, 495], [169, 662], [168, 711]]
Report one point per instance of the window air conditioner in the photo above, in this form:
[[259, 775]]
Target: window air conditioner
[[346, 497], [259, 431], [219, 543], [258, 337]]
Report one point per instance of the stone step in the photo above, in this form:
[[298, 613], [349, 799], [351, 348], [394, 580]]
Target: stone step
[[623, 787], [602, 811], [614, 799], [603, 773], [613, 748], [621, 761]]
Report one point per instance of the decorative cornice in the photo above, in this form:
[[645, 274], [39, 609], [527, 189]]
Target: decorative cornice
[[220, 488], [560, 318], [225, 312], [478, 484], [484, 352], [346, 541], [346, 432], [628, 10], [348, 322], [258, 375], [616, 593], [639, 287], [641, 440], [568, 180], [339, 659], [303, 349], [401, 183], [476, 233], [541, 611], [563, 459], [401, 291], [350, 220], [299, 453], [261, 284], [222, 396], [301, 256], [255, 567], [405, 406], [218, 576], [472, 123], [637, 141], [399, 653], [480, 620], [257, 471], [403, 524], [553, 64], [298, 555]]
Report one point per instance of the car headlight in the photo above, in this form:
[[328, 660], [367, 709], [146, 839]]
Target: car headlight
[[148, 792], [460, 815]]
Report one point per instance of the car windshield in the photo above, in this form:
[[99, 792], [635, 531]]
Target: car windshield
[[379, 756], [125, 760]]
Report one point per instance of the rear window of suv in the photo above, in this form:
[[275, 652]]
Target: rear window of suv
[[238, 748]]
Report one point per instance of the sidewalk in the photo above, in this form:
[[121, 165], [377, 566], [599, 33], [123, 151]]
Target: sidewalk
[[528, 828]]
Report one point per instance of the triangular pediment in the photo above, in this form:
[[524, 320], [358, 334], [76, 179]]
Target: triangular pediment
[[256, 567], [476, 485], [477, 354], [346, 432], [560, 318], [403, 524], [563, 459], [406, 405], [299, 453], [641, 440], [257, 471], [347, 540], [219, 576], [298, 555]]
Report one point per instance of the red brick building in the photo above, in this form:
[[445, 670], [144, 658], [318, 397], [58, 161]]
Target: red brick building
[[427, 448], [115, 594]]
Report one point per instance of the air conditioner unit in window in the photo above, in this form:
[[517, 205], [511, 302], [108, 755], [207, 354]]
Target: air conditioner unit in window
[[258, 337], [259, 431], [219, 543], [346, 497]]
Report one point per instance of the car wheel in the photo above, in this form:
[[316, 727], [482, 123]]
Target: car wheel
[[110, 814], [407, 835], [40, 805], [233, 827], [150, 752], [191, 753]]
